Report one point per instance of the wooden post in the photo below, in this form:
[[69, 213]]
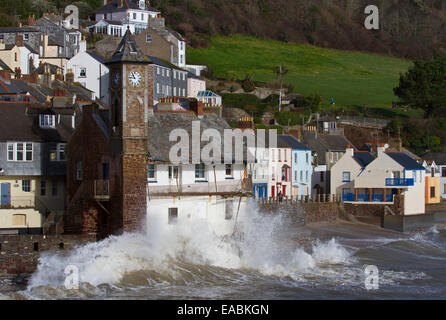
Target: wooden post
[[356, 195], [370, 194]]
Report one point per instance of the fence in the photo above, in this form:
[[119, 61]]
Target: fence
[[315, 198], [364, 122]]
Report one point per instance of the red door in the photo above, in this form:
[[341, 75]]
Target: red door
[[284, 191], [272, 191]]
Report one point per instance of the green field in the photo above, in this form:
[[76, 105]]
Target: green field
[[352, 79]]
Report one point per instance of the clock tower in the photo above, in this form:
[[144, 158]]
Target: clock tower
[[131, 97]]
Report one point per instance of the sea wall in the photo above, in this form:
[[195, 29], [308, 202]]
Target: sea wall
[[305, 212], [19, 254], [413, 222]]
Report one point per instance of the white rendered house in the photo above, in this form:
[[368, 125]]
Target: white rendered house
[[91, 72], [115, 17]]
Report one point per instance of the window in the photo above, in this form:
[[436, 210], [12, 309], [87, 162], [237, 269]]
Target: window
[[301, 176], [59, 153], [174, 91], [162, 72], [43, 188], [295, 158], [295, 175], [15, 56], [20, 151], [26, 185], [184, 92], [173, 172], [229, 204], [148, 38], [308, 158], [157, 88], [151, 171], [83, 73], [174, 74], [228, 170], [173, 215], [306, 176], [443, 172], [26, 36], [79, 172], [331, 157], [200, 170], [134, 15], [158, 70], [346, 176], [432, 192], [396, 174], [54, 188], [47, 121], [142, 16]]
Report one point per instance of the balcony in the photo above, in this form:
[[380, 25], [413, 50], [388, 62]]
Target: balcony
[[8, 202], [350, 197], [102, 189], [400, 182]]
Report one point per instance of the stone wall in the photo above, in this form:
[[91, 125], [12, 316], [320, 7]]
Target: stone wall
[[19, 254], [305, 213]]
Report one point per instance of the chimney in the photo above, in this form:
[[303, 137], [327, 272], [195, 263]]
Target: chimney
[[197, 107], [19, 40], [381, 149], [350, 150], [69, 77], [31, 21]]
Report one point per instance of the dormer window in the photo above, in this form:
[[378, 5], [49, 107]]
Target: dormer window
[[47, 121]]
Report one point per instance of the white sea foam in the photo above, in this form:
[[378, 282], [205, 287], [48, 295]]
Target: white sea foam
[[260, 244]]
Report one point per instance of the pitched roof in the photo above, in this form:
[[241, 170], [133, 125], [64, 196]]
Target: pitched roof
[[15, 125], [405, 161], [363, 158], [161, 123], [128, 51], [97, 57], [438, 157], [4, 66], [292, 142], [113, 6]]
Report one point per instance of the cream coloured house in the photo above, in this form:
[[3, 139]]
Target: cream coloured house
[[10, 55], [346, 170], [391, 173]]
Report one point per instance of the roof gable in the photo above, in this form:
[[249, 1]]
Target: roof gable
[[405, 161], [128, 51]]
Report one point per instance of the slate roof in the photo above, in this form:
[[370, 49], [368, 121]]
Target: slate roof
[[325, 143], [15, 125], [194, 76], [162, 123], [18, 30], [53, 68], [97, 57], [128, 51], [292, 142], [438, 157], [363, 158], [113, 6], [404, 160]]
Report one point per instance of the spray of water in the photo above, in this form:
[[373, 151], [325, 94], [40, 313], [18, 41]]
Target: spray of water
[[263, 243]]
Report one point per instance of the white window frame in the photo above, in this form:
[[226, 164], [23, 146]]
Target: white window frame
[[26, 148], [82, 72], [201, 170], [151, 167], [147, 38], [230, 167], [60, 150], [47, 120], [26, 186]]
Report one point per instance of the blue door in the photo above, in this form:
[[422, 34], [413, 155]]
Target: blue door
[[5, 194]]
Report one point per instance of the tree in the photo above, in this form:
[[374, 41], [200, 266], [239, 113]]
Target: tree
[[311, 103], [7, 21], [42, 6], [424, 86]]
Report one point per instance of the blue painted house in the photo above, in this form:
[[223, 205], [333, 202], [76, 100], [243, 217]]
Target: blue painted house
[[301, 165]]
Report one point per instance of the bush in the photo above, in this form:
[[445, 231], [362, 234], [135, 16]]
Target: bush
[[248, 85]]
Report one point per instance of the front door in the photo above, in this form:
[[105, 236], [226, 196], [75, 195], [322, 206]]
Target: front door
[[284, 191], [5, 194]]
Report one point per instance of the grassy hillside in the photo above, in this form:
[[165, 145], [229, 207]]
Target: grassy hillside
[[353, 79]]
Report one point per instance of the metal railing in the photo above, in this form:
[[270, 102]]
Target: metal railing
[[397, 182], [363, 121], [102, 189]]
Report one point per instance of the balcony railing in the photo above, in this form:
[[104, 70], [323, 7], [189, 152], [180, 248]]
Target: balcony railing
[[17, 202], [400, 182], [102, 189], [350, 197]]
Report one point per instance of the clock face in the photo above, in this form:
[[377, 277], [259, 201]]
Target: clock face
[[116, 78], [135, 78]]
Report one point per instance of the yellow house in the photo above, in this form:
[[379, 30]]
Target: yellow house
[[10, 55], [432, 192]]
